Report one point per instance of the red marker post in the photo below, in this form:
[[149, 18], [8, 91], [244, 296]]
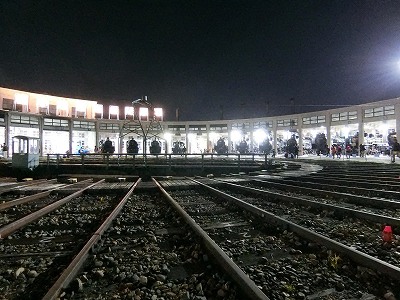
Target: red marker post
[[387, 234]]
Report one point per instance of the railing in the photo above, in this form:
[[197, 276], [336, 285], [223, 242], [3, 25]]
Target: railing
[[154, 159]]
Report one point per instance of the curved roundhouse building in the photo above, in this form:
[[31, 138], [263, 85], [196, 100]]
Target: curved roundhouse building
[[74, 125]]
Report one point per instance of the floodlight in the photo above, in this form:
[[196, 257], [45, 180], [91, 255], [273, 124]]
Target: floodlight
[[236, 135], [167, 136], [192, 136], [384, 128], [213, 136], [260, 135], [287, 134], [345, 131]]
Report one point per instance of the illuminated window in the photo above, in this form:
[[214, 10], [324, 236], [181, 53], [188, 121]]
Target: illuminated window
[[113, 112], [129, 112], [379, 111], [344, 116], [176, 128], [143, 113], [241, 126], [262, 124], [158, 113], [313, 120], [219, 127], [62, 108], [80, 109], [197, 128], [287, 123], [55, 123], [109, 126], [42, 105], [21, 102], [28, 120], [84, 125]]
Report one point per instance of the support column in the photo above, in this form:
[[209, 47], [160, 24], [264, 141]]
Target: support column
[[97, 133], [229, 127], [7, 136], [251, 128], [300, 131], [71, 125], [208, 138], [275, 145], [121, 140], [328, 119], [397, 116], [360, 117], [41, 125], [187, 138]]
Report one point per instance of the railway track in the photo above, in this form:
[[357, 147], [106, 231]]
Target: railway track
[[356, 227], [51, 250], [37, 245], [241, 238], [345, 255]]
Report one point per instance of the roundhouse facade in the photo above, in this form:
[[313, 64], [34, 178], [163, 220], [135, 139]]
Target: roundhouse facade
[[67, 124]]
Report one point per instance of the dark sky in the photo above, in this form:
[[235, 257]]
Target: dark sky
[[205, 56]]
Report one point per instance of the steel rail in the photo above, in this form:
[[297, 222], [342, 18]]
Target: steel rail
[[308, 184], [241, 278], [384, 170], [369, 174], [30, 198], [349, 182], [8, 229], [351, 198], [76, 264], [305, 202], [15, 186], [357, 256]]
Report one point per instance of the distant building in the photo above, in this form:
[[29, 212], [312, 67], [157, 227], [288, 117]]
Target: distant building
[[67, 124]]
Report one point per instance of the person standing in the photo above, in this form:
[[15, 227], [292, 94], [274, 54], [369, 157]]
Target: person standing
[[4, 148], [333, 151], [362, 150], [395, 150], [338, 151], [349, 151]]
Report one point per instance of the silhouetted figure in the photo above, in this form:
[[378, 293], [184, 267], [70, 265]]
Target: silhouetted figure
[[108, 146], [155, 147], [242, 147], [133, 146], [320, 143], [221, 148], [362, 150], [265, 147], [4, 148], [395, 150], [178, 148], [291, 147]]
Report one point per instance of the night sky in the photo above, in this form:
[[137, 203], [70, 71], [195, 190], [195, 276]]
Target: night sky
[[211, 59]]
